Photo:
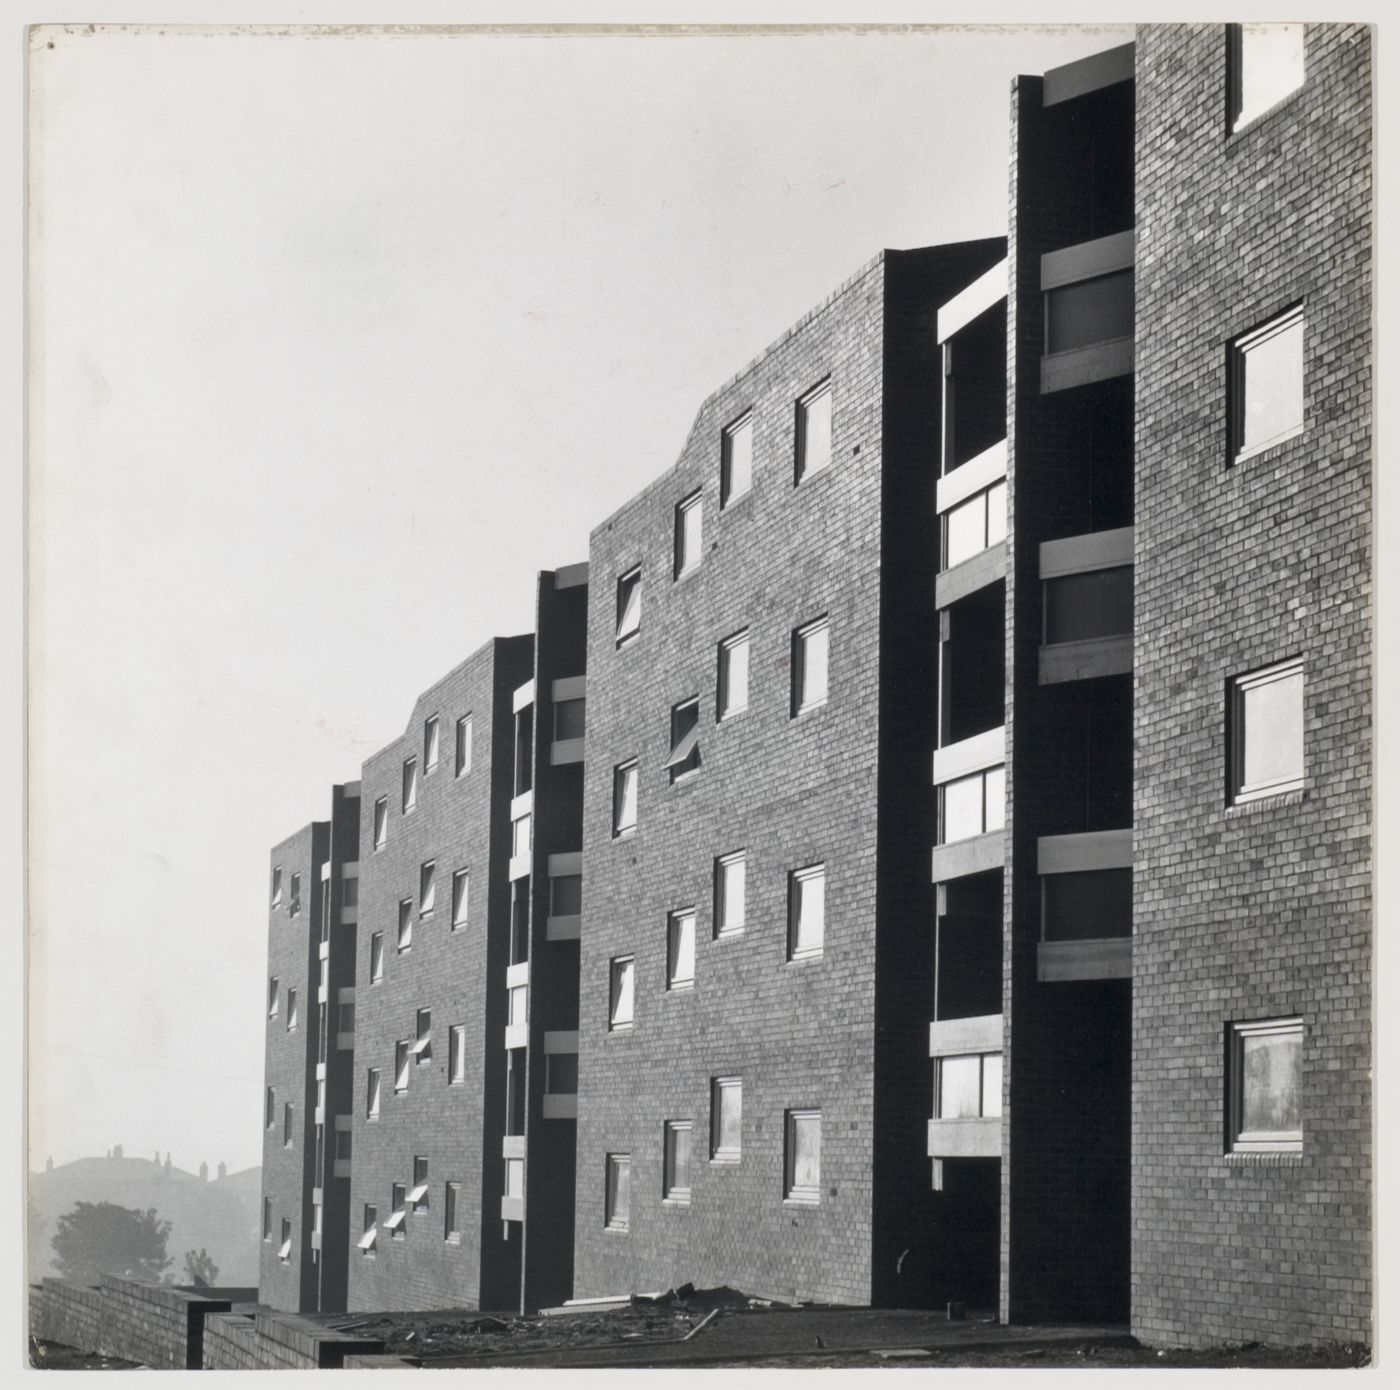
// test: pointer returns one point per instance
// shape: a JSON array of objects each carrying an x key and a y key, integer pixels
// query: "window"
[
  {"x": 410, "y": 784},
  {"x": 519, "y": 921},
  {"x": 569, "y": 718},
  {"x": 733, "y": 682},
  {"x": 451, "y": 1196},
  {"x": 524, "y": 749},
  {"x": 405, "y": 924},
  {"x": 1266, "y": 732},
  {"x": 293, "y": 1018},
  {"x": 726, "y": 1118},
  {"x": 418, "y": 1198},
  {"x": 810, "y": 646},
  {"x": 1266, "y": 64},
  {"x": 403, "y": 1053},
  {"x": 462, "y": 759},
  {"x": 430, "y": 743},
  {"x": 1266, "y": 385},
  {"x": 423, "y": 1036},
  {"x": 680, "y": 950},
  {"x": 689, "y": 538},
  {"x": 460, "y": 884},
  {"x": 381, "y": 822},
  {"x": 804, "y": 1156},
  {"x": 1089, "y": 905},
  {"x": 287, "y": 1127},
  {"x": 974, "y": 805},
  {"x": 625, "y": 797},
  {"x": 398, "y": 1202},
  {"x": 566, "y": 895},
  {"x": 427, "y": 889},
  {"x": 270, "y": 1109},
  {"x": 620, "y": 976},
  {"x": 974, "y": 526},
  {"x": 561, "y": 1073},
  {"x": 515, "y": 1177},
  {"x": 730, "y": 873},
  {"x": 520, "y": 829},
  {"x": 806, "y": 912},
  {"x": 294, "y": 906},
  {"x": 284, "y": 1251},
  {"x": 675, "y": 1185},
  {"x": 371, "y": 1230},
  {"x": 273, "y": 997},
  {"x": 1265, "y": 1078},
  {"x": 343, "y": 1150},
  {"x": 518, "y": 1006},
  {"x": 629, "y": 606},
  {"x": 685, "y": 739},
  {"x": 376, "y": 957},
  {"x": 814, "y": 430},
  {"x": 1083, "y": 607},
  {"x": 345, "y": 1017},
  {"x": 457, "y": 1054},
  {"x": 968, "y": 1087},
  {"x": 617, "y": 1201},
  {"x": 372, "y": 1093},
  {"x": 276, "y": 887},
  {"x": 736, "y": 460},
  {"x": 267, "y": 1218},
  {"x": 349, "y": 894}
]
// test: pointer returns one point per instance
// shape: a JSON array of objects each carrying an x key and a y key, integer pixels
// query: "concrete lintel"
[
  {"x": 1107, "y": 959},
  {"x": 1095, "y": 550},
  {"x": 1087, "y": 260},
  {"x": 522, "y": 805},
  {"x": 1091, "y": 74},
  {"x": 951, "y": 1037},
  {"x": 512, "y": 1209},
  {"x": 978, "y": 1138},
  {"x": 517, "y": 1035},
  {"x": 558, "y": 1107},
  {"x": 970, "y": 755},
  {"x": 561, "y": 865},
  {"x": 571, "y": 576},
  {"x": 564, "y": 751},
  {"x": 963, "y": 857},
  {"x": 987, "y": 289},
  {"x": 519, "y": 867},
  {"x": 970, "y": 478},
  {"x": 1077, "y": 854},
  {"x": 970, "y": 576},
  {"x": 518, "y": 974},
  {"x": 565, "y": 928},
  {"x": 1083, "y": 661},
  {"x": 512, "y": 1146},
  {"x": 523, "y": 696},
  {"x": 561, "y": 1040},
  {"x": 1082, "y": 366}
]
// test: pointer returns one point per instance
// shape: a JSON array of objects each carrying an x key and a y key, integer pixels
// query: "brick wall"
[
  {"x": 1264, "y": 910},
  {"x": 459, "y": 822}
]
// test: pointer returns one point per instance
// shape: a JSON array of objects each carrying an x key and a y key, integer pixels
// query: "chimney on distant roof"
[
  {"x": 223, "y": 1171},
  {"x": 204, "y": 1172}
]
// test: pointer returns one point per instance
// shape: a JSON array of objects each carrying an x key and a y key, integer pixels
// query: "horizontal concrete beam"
[
  {"x": 1075, "y": 854},
  {"x": 1095, "y": 550},
  {"x": 1091, "y": 74},
  {"x": 565, "y": 751},
  {"x": 986, "y": 290},
  {"x": 970, "y": 755},
  {"x": 972, "y": 477},
  {"x": 953, "y": 1037},
  {"x": 1087, "y": 260},
  {"x": 571, "y": 576},
  {"x": 964, "y": 1138},
  {"x": 1081, "y": 366},
  {"x": 970, "y": 576},
  {"x": 1088, "y": 660},
  {"x": 1107, "y": 959},
  {"x": 523, "y": 696},
  {"x": 963, "y": 857}
]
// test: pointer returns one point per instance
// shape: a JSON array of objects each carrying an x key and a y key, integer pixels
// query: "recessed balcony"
[
  {"x": 1088, "y": 610},
  {"x": 1089, "y": 311}
]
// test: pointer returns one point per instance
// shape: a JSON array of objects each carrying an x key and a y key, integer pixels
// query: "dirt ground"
[{"x": 53, "y": 1356}]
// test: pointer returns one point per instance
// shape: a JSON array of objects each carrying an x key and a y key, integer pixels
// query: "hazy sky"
[{"x": 336, "y": 339}]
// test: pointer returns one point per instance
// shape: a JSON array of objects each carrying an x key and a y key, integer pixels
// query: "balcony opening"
[
  {"x": 974, "y": 388},
  {"x": 1091, "y": 143},
  {"x": 1084, "y": 607},
  {"x": 519, "y": 921},
  {"x": 1095, "y": 905},
  {"x": 524, "y": 749},
  {"x": 967, "y": 959},
  {"x": 1089, "y": 311},
  {"x": 1093, "y": 727},
  {"x": 972, "y": 658},
  {"x": 515, "y": 1091}
]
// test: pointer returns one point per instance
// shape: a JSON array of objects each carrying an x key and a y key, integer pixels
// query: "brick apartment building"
[{"x": 961, "y": 888}]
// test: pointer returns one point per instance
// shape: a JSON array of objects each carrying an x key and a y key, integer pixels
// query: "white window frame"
[
  {"x": 1236, "y": 58},
  {"x": 720, "y": 1087},
  {"x": 427, "y": 888},
  {"x": 274, "y": 996},
  {"x": 373, "y": 1092},
  {"x": 672, "y": 1191},
  {"x": 432, "y": 743},
  {"x": 620, "y": 774},
  {"x": 684, "y": 758},
  {"x": 267, "y": 1218},
  {"x": 293, "y": 1013},
  {"x": 798, "y": 879},
  {"x": 619, "y": 966},
  {"x": 725, "y": 865},
  {"x": 728, "y": 493},
  {"x": 294, "y": 896},
  {"x": 806, "y": 465},
  {"x": 376, "y": 957},
  {"x": 989, "y": 1081},
  {"x": 1238, "y": 732},
  {"x": 808, "y": 1194},
  {"x": 270, "y": 1108},
  {"x": 1287, "y": 321},
  {"x": 685, "y": 562},
  {"x": 801, "y": 700},
  {"x": 462, "y": 746},
  {"x": 614, "y": 1220},
  {"x": 461, "y": 898},
  {"x": 676, "y": 924},
  {"x": 381, "y": 823},
  {"x": 1239, "y": 1139},
  {"x": 410, "y": 785},
  {"x": 284, "y": 1250},
  {"x": 277, "y": 886},
  {"x": 727, "y": 703},
  {"x": 993, "y": 803},
  {"x": 629, "y": 613},
  {"x": 423, "y": 1036},
  {"x": 457, "y": 1054},
  {"x": 451, "y": 1209},
  {"x": 405, "y": 933},
  {"x": 403, "y": 1064}
]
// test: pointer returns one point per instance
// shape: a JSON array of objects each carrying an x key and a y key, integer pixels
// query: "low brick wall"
[
  {"x": 155, "y": 1324},
  {"x": 298, "y": 1343},
  {"x": 71, "y": 1314}
]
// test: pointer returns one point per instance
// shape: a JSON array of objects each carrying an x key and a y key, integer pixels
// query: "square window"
[
  {"x": 270, "y": 1109},
  {"x": 736, "y": 460},
  {"x": 267, "y": 1218},
  {"x": 287, "y": 1127},
  {"x": 372, "y": 1093},
  {"x": 376, "y": 957},
  {"x": 423, "y": 1036},
  {"x": 967, "y": 1087},
  {"x": 284, "y": 1251},
  {"x": 733, "y": 677},
  {"x": 430, "y": 743},
  {"x": 569, "y": 718},
  {"x": 676, "y": 1179},
  {"x": 1266, "y": 385},
  {"x": 451, "y": 1199},
  {"x": 427, "y": 889},
  {"x": 462, "y": 759},
  {"x": 689, "y": 534},
  {"x": 1265, "y": 1082},
  {"x": 625, "y": 797},
  {"x": 457, "y": 1054},
  {"x": 293, "y": 1017},
  {"x": 629, "y": 606},
  {"x": 403, "y": 1056},
  {"x": 731, "y": 870},
  {"x": 460, "y": 884},
  {"x": 814, "y": 430},
  {"x": 418, "y": 1198},
  {"x": 566, "y": 895},
  {"x": 561, "y": 1073},
  {"x": 1266, "y": 732},
  {"x": 405, "y": 924},
  {"x": 273, "y": 997},
  {"x": 680, "y": 950},
  {"x": 620, "y": 988},
  {"x": 1266, "y": 63},
  {"x": 617, "y": 1201},
  {"x": 685, "y": 739},
  {"x": 370, "y": 1233},
  {"x": 294, "y": 907},
  {"x": 410, "y": 784},
  {"x": 726, "y": 1118},
  {"x": 810, "y": 648},
  {"x": 804, "y": 1156},
  {"x": 806, "y": 912}
]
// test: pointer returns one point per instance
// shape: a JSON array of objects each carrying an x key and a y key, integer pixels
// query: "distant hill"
[{"x": 220, "y": 1214}]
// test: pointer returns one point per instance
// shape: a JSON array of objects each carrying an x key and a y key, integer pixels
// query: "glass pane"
[
  {"x": 738, "y": 460},
  {"x": 677, "y": 1158},
  {"x": 806, "y": 1151},
  {"x": 731, "y": 1111},
  {"x": 1080, "y": 607},
  {"x": 994, "y": 798},
  {"x": 568, "y": 719},
  {"x": 809, "y": 912},
  {"x": 629, "y": 606},
  {"x": 732, "y": 874},
  {"x": 1273, "y": 1065},
  {"x": 967, "y": 530},
  {"x": 430, "y": 743},
  {"x": 691, "y": 539},
  {"x": 991, "y": 1084},
  {"x": 1271, "y": 66},
  {"x": 962, "y": 808},
  {"x": 464, "y": 745},
  {"x": 1272, "y": 368},
  {"x": 520, "y": 836},
  {"x": 996, "y": 514},
  {"x": 562, "y": 1078},
  {"x": 734, "y": 677},
  {"x": 1272, "y": 736},
  {"x": 519, "y": 1000},
  {"x": 566, "y": 895},
  {"x": 381, "y": 822},
  {"x": 622, "y": 992},
  {"x": 959, "y": 1088},
  {"x": 459, "y": 899},
  {"x": 815, "y": 645},
  {"x": 1090, "y": 906},
  {"x": 1090, "y": 311},
  {"x": 816, "y": 433},
  {"x": 427, "y": 889},
  {"x": 626, "y": 798},
  {"x": 515, "y": 1177},
  {"x": 683, "y": 948}
]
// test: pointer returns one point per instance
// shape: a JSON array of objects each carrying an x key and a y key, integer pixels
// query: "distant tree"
[
  {"x": 200, "y": 1269},
  {"x": 102, "y": 1238},
  {"x": 38, "y": 1229}
]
